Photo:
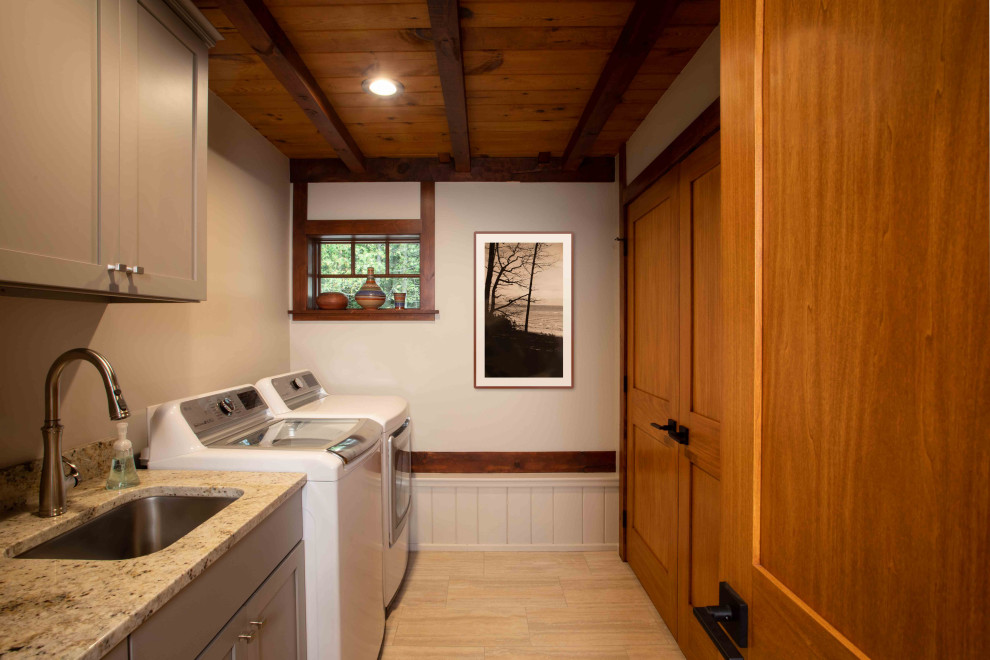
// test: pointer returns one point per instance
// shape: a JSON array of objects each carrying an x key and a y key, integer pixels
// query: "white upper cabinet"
[{"x": 103, "y": 152}]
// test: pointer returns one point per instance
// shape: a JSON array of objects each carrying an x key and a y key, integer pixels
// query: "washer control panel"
[
  {"x": 298, "y": 389},
  {"x": 210, "y": 414}
]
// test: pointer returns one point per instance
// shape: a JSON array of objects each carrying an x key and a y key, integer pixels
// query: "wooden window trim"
[{"x": 305, "y": 235}]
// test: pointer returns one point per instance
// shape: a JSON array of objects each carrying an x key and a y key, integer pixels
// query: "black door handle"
[
  {"x": 729, "y": 617},
  {"x": 681, "y": 436},
  {"x": 706, "y": 616},
  {"x": 671, "y": 425}
]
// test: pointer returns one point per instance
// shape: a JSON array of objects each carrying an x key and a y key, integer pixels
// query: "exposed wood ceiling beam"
[
  {"x": 445, "y": 28},
  {"x": 258, "y": 27},
  {"x": 643, "y": 27},
  {"x": 313, "y": 170}
]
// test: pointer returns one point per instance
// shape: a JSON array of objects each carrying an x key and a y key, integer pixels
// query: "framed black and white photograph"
[{"x": 523, "y": 320}]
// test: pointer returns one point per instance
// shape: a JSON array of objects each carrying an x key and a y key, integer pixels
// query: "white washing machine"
[
  {"x": 300, "y": 394},
  {"x": 342, "y": 500}
]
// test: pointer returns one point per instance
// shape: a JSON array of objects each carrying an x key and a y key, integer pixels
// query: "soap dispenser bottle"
[{"x": 123, "y": 473}]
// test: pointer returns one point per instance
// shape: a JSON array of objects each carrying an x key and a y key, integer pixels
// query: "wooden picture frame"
[{"x": 523, "y": 311}]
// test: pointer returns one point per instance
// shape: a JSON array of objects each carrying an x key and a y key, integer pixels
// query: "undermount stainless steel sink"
[{"x": 134, "y": 529}]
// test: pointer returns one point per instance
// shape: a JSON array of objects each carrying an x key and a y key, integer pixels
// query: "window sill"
[{"x": 364, "y": 314}]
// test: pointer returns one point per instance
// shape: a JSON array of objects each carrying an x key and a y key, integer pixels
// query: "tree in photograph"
[
  {"x": 512, "y": 266},
  {"x": 508, "y": 270},
  {"x": 492, "y": 248},
  {"x": 529, "y": 294}
]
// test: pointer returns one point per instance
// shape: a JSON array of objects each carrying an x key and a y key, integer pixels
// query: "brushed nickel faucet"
[{"x": 51, "y": 500}]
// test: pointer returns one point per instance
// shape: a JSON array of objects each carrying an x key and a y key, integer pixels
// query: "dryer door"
[{"x": 399, "y": 479}]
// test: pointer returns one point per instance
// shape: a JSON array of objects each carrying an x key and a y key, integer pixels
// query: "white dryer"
[
  {"x": 342, "y": 500},
  {"x": 300, "y": 395}
]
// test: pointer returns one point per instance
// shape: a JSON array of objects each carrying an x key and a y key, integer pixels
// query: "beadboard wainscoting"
[{"x": 515, "y": 512}]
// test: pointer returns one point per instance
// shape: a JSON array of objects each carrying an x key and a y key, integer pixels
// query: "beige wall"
[
  {"x": 430, "y": 363},
  {"x": 165, "y": 350},
  {"x": 692, "y": 91}
]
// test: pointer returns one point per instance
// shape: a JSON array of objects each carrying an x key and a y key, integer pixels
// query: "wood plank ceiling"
[{"x": 529, "y": 70}]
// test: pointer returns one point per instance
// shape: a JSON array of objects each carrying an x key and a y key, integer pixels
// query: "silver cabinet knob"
[
  {"x": 249, "y": 637},
  {"x": 257, "y": 624},
  {"x": 124, "y": 268}
]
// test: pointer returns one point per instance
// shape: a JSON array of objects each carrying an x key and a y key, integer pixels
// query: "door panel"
[
  {"x": 700, "y": 351},
  {"x": 706, "y": 294},
  {"x": 652, "y": 534},
  {"x": 654, "y": 331},
  {"x": 701, "y": 501},
  {"x": 858, "y": 483},
  {"x": 652, "y": 461},
  {"x": 654, "y": 480}
]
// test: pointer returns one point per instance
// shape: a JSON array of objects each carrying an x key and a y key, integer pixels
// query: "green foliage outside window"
[
  {"x": 404, "y": 258},
  {"x": 336, "y": 272},
  {"x": 335, "y": 258}
]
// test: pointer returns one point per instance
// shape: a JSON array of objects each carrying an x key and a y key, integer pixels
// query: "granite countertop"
[{"x": 61, "y": 608}]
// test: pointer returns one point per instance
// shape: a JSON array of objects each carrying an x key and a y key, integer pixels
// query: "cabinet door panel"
[
  {"x": 166, "y": 140},
  {"x": 163, "y": 157},
  {"x": 50, "y": 146},
  {"x": 279, "y": 631}
]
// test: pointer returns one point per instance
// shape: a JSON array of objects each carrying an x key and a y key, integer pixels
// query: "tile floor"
[{"x": 531, "y": 605}]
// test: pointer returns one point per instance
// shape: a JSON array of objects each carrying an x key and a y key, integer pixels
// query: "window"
[
  {"x": 344, "y": 263},
  {"x": 334, "y": 255}
]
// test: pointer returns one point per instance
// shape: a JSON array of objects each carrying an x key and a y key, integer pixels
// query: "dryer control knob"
[
  {"x": 298, "y": 382},
  {"x": 226, "y": 406}
]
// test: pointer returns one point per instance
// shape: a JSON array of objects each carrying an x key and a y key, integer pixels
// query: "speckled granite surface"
[
  {"x": 19, "y": 483},
  {"x": 58, "y": 608}
]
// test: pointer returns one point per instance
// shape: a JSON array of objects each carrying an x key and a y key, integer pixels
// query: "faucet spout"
[{"x": 51, "y": 501}]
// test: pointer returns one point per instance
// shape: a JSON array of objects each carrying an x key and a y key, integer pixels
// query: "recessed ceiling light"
[{"x": 382, "y": 87}]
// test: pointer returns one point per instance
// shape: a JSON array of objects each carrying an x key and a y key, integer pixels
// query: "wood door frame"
[{"x": 697, "y": 133}]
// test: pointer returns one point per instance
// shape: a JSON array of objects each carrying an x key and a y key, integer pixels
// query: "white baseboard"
[{"x": 508, "y": 512}]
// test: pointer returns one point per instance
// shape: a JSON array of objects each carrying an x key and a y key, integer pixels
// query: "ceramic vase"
[
  {"x": 370, "y": 295},
  {"x": 331, "y": 300}
]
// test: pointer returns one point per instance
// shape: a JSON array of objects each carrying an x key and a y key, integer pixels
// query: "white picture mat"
[{"x": 480, "y": 263}]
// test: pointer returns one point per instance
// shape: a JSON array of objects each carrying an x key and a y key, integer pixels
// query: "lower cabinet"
[
  {"x": 250, "y": 604},
  {"x": 271, "y": 625}
]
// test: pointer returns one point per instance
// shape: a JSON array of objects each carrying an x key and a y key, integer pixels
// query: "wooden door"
[
  {"x": 58, "y": 147},
  {"x": 856, "y": 412},
  {"x": 652, "y": 368},
  {"x": 163, "y": 155},
  {"x": 700, "y": 410}
]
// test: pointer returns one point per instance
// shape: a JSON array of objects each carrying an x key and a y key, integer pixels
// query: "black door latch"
[
  {"x": 680, "y": 436},
  {"x": 731, "y": 616}
]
